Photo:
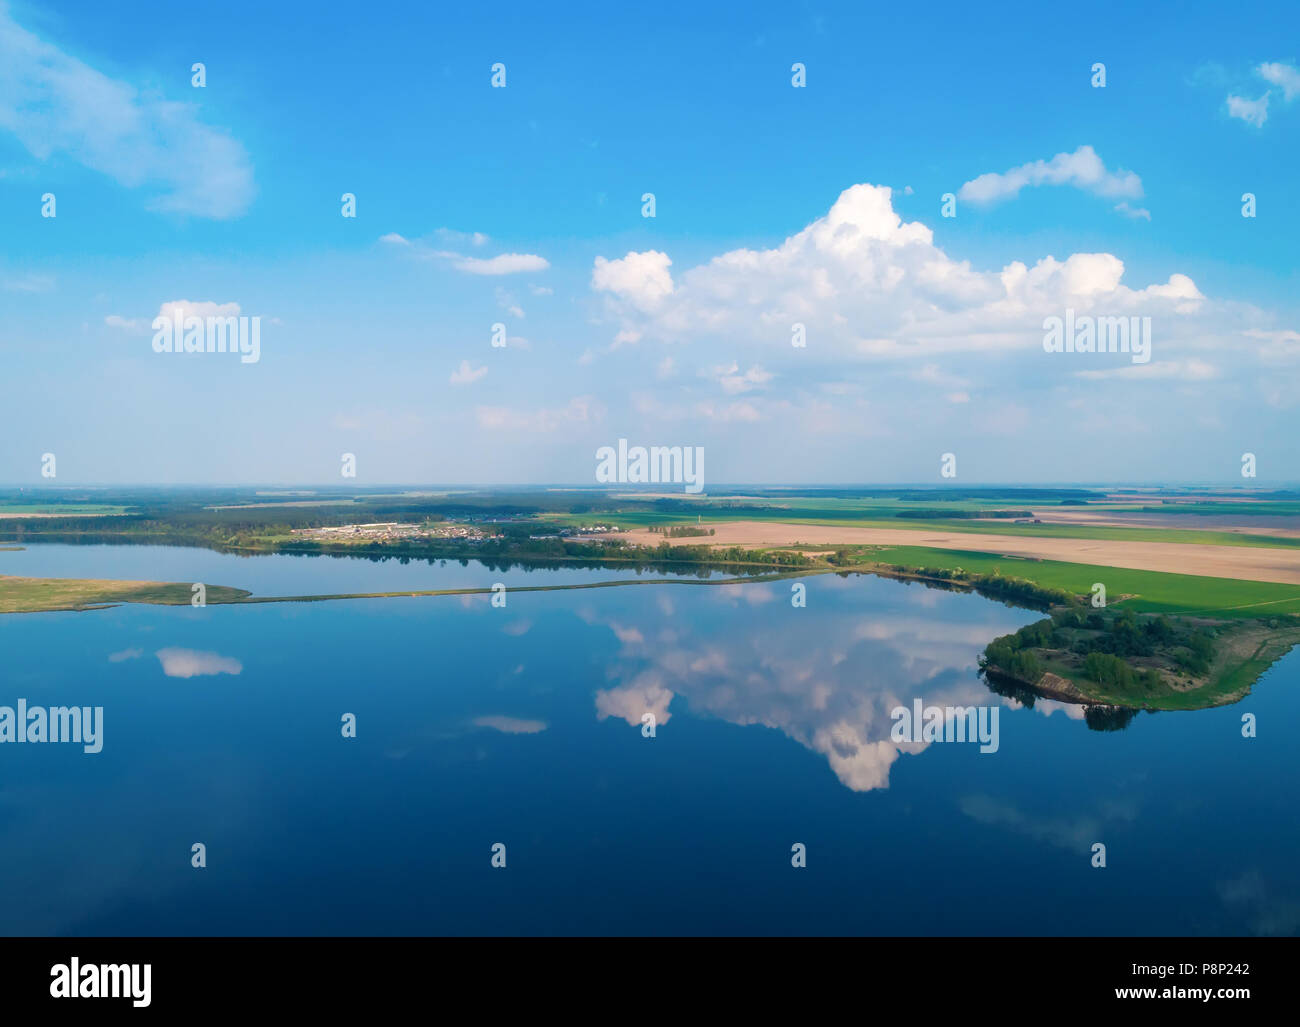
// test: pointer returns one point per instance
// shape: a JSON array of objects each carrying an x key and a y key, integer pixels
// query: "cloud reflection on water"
[{"x": 826, "y": 676}]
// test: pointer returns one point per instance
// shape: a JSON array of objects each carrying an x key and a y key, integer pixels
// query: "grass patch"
[
  {"x": 1147, "y": 591},
  {"x": 36, "y": 595}
]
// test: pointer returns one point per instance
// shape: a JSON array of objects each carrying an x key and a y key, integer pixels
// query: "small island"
[{"x": 1116, "y": 657}]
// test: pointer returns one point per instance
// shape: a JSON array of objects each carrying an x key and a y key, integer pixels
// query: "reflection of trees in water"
[
  {"x": 1108, "y": 718},
  {"x": 677, "y": 568},
  {"x": 934, "y": 583},
  {"x": 1010, "y": 688},
  {"x": 1098, "y": 718},
  {"x": 541, "y": 563},
  {"x": 501, "y": 564},
  {"x": 1012, "y": 593}
]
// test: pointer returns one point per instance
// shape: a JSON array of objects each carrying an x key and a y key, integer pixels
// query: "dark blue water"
[{"x": 523, "y": 726}]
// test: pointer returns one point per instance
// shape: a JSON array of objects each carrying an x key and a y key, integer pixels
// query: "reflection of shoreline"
[
  {"x": 754, "y": 579},
  {"x": 1099, "y": 716},
  {"x": 1049, "y": 686}
]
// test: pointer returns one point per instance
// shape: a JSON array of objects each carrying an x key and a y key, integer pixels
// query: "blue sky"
[{"x": 522, "y": 206}]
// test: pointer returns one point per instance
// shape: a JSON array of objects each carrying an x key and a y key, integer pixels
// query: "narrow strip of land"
[
  {"x": 51, "y": 595},
  {"x": 38, "y": 595}
]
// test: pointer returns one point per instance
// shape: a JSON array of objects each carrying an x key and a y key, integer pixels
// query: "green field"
[
  {"x": 1152, "y": 591},
  {"x": 1268, "y": 508},
  {"x": 36, "y": 595}
]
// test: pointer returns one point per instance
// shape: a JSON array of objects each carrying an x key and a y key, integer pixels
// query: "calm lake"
[{"x": 523, "y": 726}]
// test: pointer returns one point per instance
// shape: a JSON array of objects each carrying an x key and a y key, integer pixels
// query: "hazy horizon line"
[{"x": 657, "y": 489}]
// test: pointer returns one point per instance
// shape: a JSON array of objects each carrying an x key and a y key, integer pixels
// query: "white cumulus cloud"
[
  {"x": 870, "y": 287},
  {"x": 640, "y": 278}
]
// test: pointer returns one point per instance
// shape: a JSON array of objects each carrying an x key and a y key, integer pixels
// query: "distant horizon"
[{"x": 1263, "y": 486}]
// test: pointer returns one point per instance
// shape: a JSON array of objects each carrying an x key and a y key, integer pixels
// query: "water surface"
[{"x": 522, "y": 725}]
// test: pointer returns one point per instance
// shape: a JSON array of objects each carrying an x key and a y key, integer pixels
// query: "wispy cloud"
[
  {"x": 171, "y": 310},
  {"x": 1252, "y": 112},
  {"x": 506, "y": 301},
  {"x": 511, "y": 725},
  {"x": 733, "y": 382},
  {"x": 55, "y": 104},
  {"x": 1285, "y": 77},
  {"x": 28, "y": 283},
  {"x": 1082, "y": 169},
  {"x": 1282, "y": 75},
  {"x": 579, "y": 410},
  {"x": 1133, "y": 212},
  {"x": 1074, "y": 833},
  {"x": 501, "y": 264},
  {"x": 467, "y": 374},
  {"x": 1190, "y": 370}
]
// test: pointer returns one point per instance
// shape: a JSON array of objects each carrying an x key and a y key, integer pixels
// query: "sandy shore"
[{"x": 1246, "y": 563}]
